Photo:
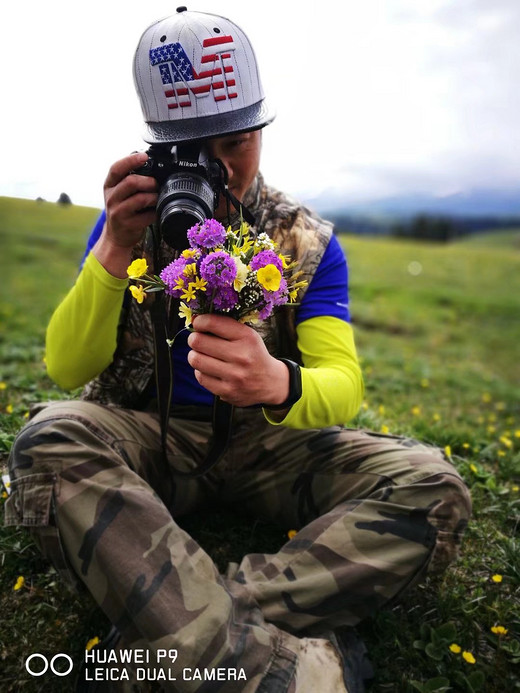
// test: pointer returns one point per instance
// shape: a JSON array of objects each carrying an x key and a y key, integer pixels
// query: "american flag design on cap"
[{"x": 181, "y": 80}]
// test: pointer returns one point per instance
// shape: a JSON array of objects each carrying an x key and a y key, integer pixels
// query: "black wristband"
[{"x": 295, "y": 386}]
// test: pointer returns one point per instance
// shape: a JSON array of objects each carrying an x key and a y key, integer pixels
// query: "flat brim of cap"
[{"x": 244, "y": 119}]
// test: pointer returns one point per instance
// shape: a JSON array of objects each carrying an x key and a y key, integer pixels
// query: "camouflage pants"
[{"x": 373, "y": 512}]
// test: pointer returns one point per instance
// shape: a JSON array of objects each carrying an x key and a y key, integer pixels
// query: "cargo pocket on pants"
[{"x": 31, "y": 505}]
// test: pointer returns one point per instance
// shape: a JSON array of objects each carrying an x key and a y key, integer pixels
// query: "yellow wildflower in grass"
[
  {"x": 447, "y": 450},
  {"x": 385, "y": 429},
  {"x": 381, "y": 409},
  {"x": 499, "y": 630},
  {"x": 517, "y": 433},
  {"x": 91, "y": 643},
  {"x": 364, "y": 406},
  {"x": 185, "y": 312},
  {"x": 292, "y": 533},
  {"x": 269, "y": 277},
  {"x": 436, "y": 417},
  {"x": 137, "y": 268},
  {"x": 486, "y": 397},
  {"x": 468, "y": 657},
  {"x": 3, "y": 385},
  {"x": 9, "y": 409},
  {"x": 20, "y": 582},
  {"x": 425, "y": 382},
  {"x": 506, "y": 441},
  {"x": 416, "y": 410},
  {"x": 465, "y": 445},
  {"x": 4, "y": 495},
  {"x": 515, "y": 489},
  {"x": 491, "y": 429},
  {"x": 138, "y": 293},
  {"x": 199, "y": 284},
  {"x": 497, "y": 578},
  {"x": 456, "y": 649},
  {"x": 474, "y": 468},
  {"x": 501, "y": 453}
]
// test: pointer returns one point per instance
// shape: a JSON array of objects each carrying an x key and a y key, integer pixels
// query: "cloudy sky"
[{"x": 373, "y": 98}]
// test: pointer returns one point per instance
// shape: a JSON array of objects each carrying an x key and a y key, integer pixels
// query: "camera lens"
[{"x": 184, "y": 200}]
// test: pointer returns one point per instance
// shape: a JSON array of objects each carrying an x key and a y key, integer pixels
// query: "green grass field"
[{"x": 438, "y": 329}]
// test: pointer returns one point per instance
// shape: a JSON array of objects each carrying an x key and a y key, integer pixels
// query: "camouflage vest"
[{"x": 297, "y": 231}]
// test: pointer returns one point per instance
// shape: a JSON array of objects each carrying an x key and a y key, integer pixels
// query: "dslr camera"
[{"x": 189, "y": 187}]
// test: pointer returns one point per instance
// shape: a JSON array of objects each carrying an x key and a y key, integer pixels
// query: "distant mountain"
[{"x": 471, "y": 203}]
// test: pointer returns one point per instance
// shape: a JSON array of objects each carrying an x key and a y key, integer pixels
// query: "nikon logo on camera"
[{"x": 189, "y": 164}]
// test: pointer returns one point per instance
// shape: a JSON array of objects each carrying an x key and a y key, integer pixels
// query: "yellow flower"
[
  {"x": 425, "y": 382},
  {"x": 473, "y": 468},
  {"x": 480, "y": 420},
  {"x": 436, "y": 417},
  {"x": 179, "y": 283},
  {"x": 385, "y": 429},
  {"x": 470, "y": 659},
  {"x": 364, "y": 406},
  {"x": 186, "y": 313},
  {"x": 137, "y": 268},
  {"x": 190, "y": 270},
  {"x": 292, "y": 533},
  {"x": 501, "y": 453},
  {"x": 491, "y": 429},
  {"x": 9, "y": 409},
  {"x": 515, "y": 489},
  {"x": 269, "y": 277},
  {"x": 250, "y": 317},
  {"x": 293, "y": 295},
  {"x": 138, "y": 293},
  {"x": 189, "y": 253},
  {"x": 497, "y": 578},
  {"x": 416, "y": 410},
  {"x": 447, "y": 450},
  {"x": 465, "y": 445},
  {"x": 517, "y": 433},
  {"x": 20, "y": 582},
  {"x": 381, "y": 409},
  {"x": 4, "y": 494},
  {"x": 3, "y": 385},
  {"x": 91, "y": 643},
  {"x": 240, "y": 279},
  {"x": 285, "y": 260},
  {"x": 500, "y": 406},
  {"x": 189, "y": 293},
  {"x": 455, "y": 648},
  {"x": 499, "y": 630},
  {"x": 486, "y": 397},
  {"x": 198, "y": 285},
  {"x": 506, "y": 441}
]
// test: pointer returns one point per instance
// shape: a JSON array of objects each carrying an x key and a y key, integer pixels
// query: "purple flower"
[
  {"x": 266, "y": 311},
  {"x": 266, "y": 257},
  {"x": 207, "y": 235},
  {"x": 225, "y": 299},
  {"x": 278, "y": 298},
  {"x": 171, "y": 274},
  {"x": 218, "y": 269}
]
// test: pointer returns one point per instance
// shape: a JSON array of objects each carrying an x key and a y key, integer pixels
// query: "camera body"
[{"x": 189, "y": 187}]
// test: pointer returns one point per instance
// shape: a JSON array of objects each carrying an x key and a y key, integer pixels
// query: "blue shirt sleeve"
[
  {"x": 94, "y": 235},
  {"x": 327, "y": 294}
]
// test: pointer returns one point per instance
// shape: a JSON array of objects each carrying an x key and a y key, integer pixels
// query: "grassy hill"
[{"x": 437, "y": 330}]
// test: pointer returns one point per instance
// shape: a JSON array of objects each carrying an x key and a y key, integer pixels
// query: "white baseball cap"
[{"x": 196, "y": 77}]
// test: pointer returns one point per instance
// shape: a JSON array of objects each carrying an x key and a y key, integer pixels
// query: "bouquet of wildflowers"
[{"x": 223, "y": 271}]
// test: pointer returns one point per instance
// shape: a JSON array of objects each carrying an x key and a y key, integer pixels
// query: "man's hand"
[
  {"x": 231, "y": 361},
  {"x": 130, "y": 201}
]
